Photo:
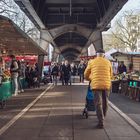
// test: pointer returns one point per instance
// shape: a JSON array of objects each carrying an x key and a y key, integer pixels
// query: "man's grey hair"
[{"x": 101, "y": 54}]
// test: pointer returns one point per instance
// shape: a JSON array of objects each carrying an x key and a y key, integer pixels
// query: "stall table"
[{"x": 115, "y": 86}]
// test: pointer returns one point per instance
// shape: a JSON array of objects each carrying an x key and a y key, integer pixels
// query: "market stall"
[
  {"x": 13, "y": 41},
  {"x": 128, "y": 83}
]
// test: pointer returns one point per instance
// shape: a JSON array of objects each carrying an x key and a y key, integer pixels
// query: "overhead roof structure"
[
  {"x": 73, "y": 22},
  {"x": 14, "y": 40}
]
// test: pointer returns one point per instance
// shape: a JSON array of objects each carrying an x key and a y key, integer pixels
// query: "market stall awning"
[
  {"x": 13, "y": 39},
  {"x": 117, "y": 53}
]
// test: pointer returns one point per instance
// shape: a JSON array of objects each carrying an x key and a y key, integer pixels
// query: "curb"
[{"x": 125, "y": 117}]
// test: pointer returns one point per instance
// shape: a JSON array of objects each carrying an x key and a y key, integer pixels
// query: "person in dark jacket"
[
  {"x": 14, "y": 73},
  {"x": 54, "y": 73},
  {"x": 81, "y": 69},
  {"x": 122, "y": 68},
  {"x": 34, "y": 77},
  {"x": 20, "y": 76},
  {"x": 62, "y": 72},
  {"x": 73, "y": 72},
  {"x": 67, "y": 71}
]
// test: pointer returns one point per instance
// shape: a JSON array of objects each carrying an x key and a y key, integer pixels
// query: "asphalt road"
[{"x": 126, "y": 105}]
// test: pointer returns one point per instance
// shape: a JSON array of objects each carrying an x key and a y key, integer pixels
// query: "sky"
[{"x": 133, "y": 5}]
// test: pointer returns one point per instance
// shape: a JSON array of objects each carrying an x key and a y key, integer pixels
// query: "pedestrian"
[
  {"x": 55, "y": 71},
  {"x": 62, "y": 67},
  {"x": 73, "y": 72},
  {"x": 81, "y": 69},
  {"x": 122, "y": 68},
  {"x": 28, "y": 78},
  {"x": 67, "y": 72},
  {"x": 34, "y": 77},
  {"x": 20, "y": 76},
  {"x": 99, "y": 73},
  {"x": 14, "y": 73}
]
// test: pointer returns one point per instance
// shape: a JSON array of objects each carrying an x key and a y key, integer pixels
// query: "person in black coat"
[
  {"x": 62, "y": 72},
  {"x": 34, "y": 77},
  {"x": 28, "y": 78},
  {"x": 73, "y": 72},
  {"x": 122, "y": 68},
  {"x": 81, "y": 69},
  {"x": 54, "y": 73},
  {"x": 67, "y": 72}
]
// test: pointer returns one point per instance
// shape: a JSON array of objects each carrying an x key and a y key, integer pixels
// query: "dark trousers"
[
  {"x": 81, "y": 77},
  {"x": 62, "y": 79}
]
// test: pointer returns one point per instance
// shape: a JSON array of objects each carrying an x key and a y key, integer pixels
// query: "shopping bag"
[
  {"x": 90, "y": 100},
  {"x": 90, "y": 95}
]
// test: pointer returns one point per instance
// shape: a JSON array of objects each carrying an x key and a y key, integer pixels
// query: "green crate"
[
  {"x": 134, "y": 83},
  {"x": 130, "y": 83}
]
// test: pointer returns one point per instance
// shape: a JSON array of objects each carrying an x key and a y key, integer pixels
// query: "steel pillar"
[
  {"x": 40, "y": 65},
  {"x": 97, "y": 41}
]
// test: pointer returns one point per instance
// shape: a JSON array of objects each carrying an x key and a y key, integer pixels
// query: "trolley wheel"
[
  {"x": 85, "y": 113},
  {"x": 3, "y": 104}
]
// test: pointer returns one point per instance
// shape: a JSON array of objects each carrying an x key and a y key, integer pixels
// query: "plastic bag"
[{"x": 90, "y": 95}]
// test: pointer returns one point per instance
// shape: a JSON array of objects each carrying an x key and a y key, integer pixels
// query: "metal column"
[
  {"x": 98, "y": 42},
  {"x": 40, "y": 65}
]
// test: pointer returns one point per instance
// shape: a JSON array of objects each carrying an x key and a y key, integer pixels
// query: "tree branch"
[{"x": 121, "y": 39}]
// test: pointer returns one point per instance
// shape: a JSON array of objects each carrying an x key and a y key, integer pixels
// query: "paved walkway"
[
  {"x": 127, "y": 105},
  {"x": 57, "y": 116}
]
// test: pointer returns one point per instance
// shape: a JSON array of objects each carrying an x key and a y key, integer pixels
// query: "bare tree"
[
  {"x": 6, "y": 7},
  {"x": 109, "y": 42},
  {"x": 127, "y": 31}
]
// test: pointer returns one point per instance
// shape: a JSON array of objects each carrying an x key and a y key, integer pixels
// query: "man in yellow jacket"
[{"x": 99, "y": 73}]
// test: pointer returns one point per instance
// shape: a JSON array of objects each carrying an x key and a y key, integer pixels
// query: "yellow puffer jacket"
[{"x": 99, "y": 72}]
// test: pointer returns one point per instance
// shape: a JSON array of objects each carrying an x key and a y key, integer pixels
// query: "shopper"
[
  {"x": 67, "y": 72},
  {"x": 62, "y": 67},
  {"x": 122, "y": 68},
  {"x": 81, "y": 69},
  {"x": 14, "y": 73},
  {"x": 28, "y": 78},
  {"x": 20, "y": 76},
  {"x": 73, "y": 72},
  {"x": 99, "y": 72},
  {"x": 34, "y": 77},
  {"x": 55, "y": 71}
]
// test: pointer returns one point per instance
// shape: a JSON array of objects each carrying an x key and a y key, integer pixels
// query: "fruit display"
[
  {"x": 6, "y": 75},
  {"x": 120, "y": 76},
  {"x": 123, "y": 76}
]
